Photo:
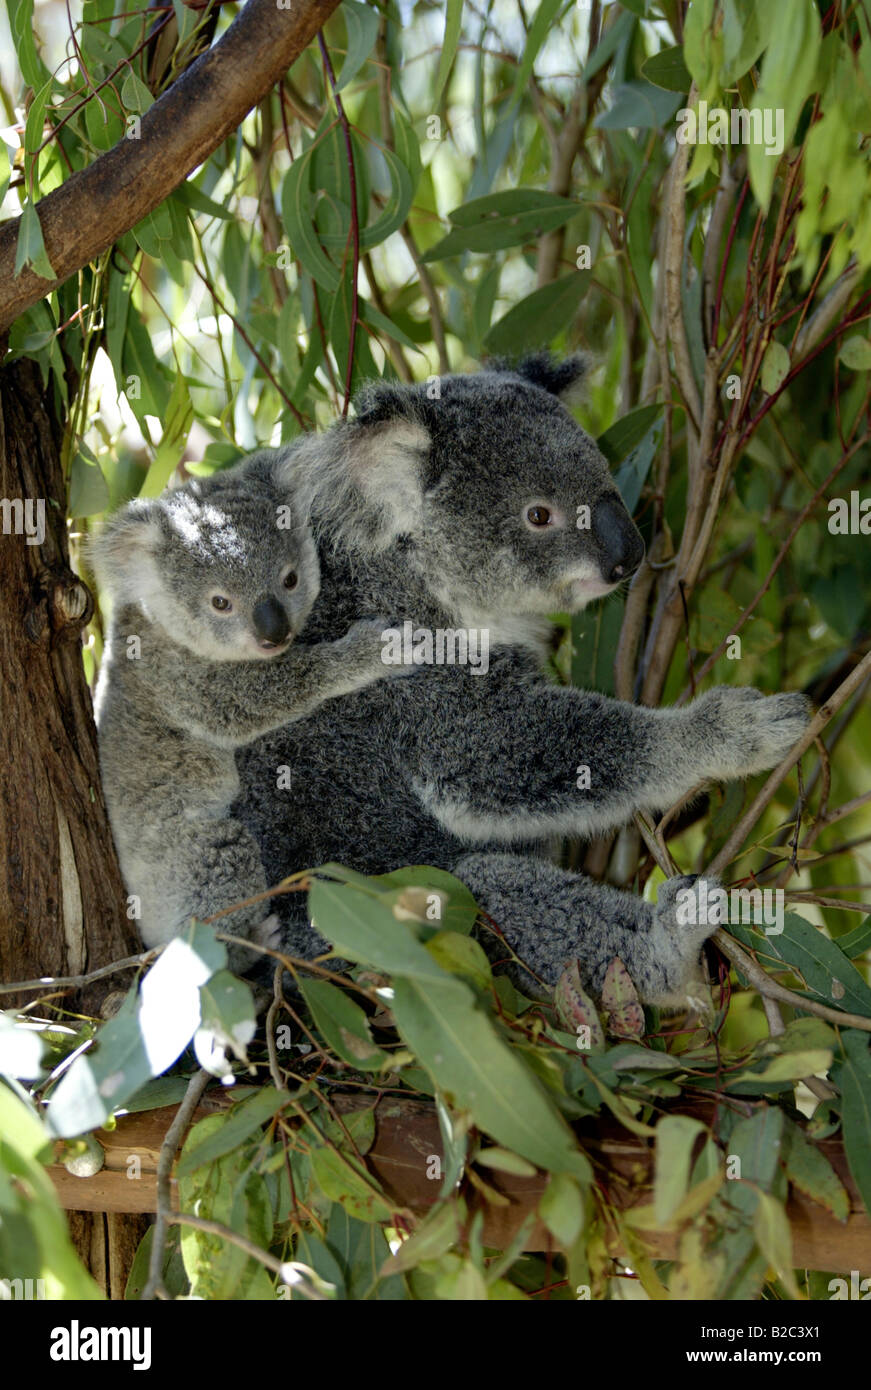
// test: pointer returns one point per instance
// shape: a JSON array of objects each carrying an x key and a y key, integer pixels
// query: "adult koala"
[{"x": 466, "y": 511}]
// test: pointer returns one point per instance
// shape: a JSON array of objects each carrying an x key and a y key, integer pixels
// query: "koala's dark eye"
[
  {"x": 291, "y": 580},
  {"x": 538, "y": 516},
  {"x": 222, "y": 604}
]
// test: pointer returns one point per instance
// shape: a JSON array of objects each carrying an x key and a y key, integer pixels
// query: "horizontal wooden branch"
[
  {"x": 97, "y": 205},
  {"x": 407, "y": 1135}
]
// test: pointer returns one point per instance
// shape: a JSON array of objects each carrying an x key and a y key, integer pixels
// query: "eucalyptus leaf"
[
  {"x": 675, "y": 1139},
  {"x": 667, "y": 69},
  {"x": 503, "y": 219},
  {"x": 457, "y": 1044},
  {"x": 362, "y": 25},
  {"x": 540, "y": 317},
  {"x": 852, "y": 1076}
]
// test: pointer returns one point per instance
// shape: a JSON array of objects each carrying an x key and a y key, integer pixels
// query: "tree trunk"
[{"x": 62, "y": 900}]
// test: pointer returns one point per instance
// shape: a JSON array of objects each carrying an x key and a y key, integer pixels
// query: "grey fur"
[
  {"x": 419, "y": 506},
  {"x": 204, "y": 682}
]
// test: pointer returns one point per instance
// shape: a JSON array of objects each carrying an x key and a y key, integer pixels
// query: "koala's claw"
[
  {"x": 680, "y": 927},
  {"x": 750, "y": 732}
]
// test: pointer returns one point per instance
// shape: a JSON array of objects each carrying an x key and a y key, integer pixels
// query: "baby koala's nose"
[{"x": 270, "y": 621}]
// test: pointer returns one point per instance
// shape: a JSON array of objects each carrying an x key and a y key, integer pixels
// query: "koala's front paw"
[
  {"x": 743, "y": 731},
  {"x": 682, "y": 908}
]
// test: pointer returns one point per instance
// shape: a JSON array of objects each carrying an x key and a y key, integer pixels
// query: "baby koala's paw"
[
  {"x": 385, "y": 638},
  {"x": 747, "y": 731},
  {"x": 268, "y": 932},
  {"x": 368, "y": 631}
]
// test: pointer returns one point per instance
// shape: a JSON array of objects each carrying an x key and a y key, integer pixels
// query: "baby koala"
[{"x": 210, "y": 584}]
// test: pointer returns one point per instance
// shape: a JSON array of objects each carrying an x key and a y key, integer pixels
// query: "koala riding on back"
[{"x": 210, "y": 585}]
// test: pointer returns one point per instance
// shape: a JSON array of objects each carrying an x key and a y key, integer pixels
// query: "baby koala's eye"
[
  {"x": 291, "y": 580},
  {"x": 538, "y": 515},
  {"x": 222, "y": 604}
]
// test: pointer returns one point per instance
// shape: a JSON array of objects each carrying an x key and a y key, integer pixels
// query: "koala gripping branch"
[{"x": 95, "y": 206}]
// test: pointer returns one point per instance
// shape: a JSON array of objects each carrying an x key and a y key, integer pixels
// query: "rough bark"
[{"x": 62, "y": 901}]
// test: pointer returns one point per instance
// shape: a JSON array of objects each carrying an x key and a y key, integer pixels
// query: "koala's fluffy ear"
[
  {"x": 266, "y": 468},
  {"x": 123, "y": 554},
  {"x": 368, "y": 474},
  {"x": 563, "y": 378}
]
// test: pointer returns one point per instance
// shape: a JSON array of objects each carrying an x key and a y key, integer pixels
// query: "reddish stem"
[
  {"x": 355, "y": 224},
  {"x": 726, "y": 254}
]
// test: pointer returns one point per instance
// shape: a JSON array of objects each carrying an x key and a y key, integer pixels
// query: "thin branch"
[
  {"x": 91, "y": 210},
  {"x": 778, "y": 561},
  {"x": 300, "y": 419},
  {"x": 425, "y": 280},
  {"x": 724, "y": 204},
  {"x": 280, "y": 1267},
  {"x": 355, "y": 222},
  {"x": 770, "y": 989},
  {"x": 75, "y": 981},
  {"x": 675, "y": 213},
  {"x": 168, "y": 1150},
  {"x": 277, "y": 1002}
]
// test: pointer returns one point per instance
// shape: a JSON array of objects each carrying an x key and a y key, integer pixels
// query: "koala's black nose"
[
  {"x": 621, "y": 548},
  {"x": 270, "y": 621}
]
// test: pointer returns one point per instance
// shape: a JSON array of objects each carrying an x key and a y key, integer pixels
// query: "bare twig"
[
  {"x": 770, "y": 989},
  {"x": 75, "y": 981},
  {"x": 565, "y": 147},
  {"x": 168, "y": 1150},
  {"x": 355, "y": 222},
  {"x": 300, "y": 419},
  {"x": 724, "y": 206},
  {"x": 675, "y": 213},
  {"x": 280, "y": 1267},
  {"x": 277, "y": 1001}
]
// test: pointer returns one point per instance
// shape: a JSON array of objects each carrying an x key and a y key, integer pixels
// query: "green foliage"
[
  {"x": 286, "y": 1171},
  {"x": 34, "y": 1240}
]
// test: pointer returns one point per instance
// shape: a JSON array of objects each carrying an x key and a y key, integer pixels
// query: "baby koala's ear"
[
  {"x": 123, "y": 555},
  {"x": 263, "y": 470}
]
